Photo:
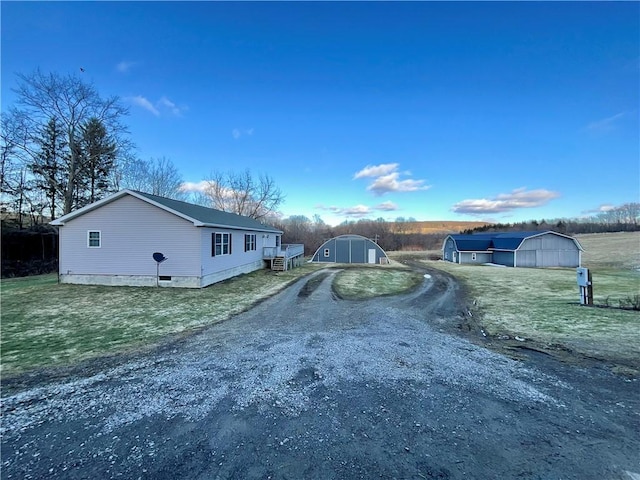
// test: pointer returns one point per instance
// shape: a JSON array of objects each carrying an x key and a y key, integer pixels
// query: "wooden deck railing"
[{"x": 290, "y": 250}]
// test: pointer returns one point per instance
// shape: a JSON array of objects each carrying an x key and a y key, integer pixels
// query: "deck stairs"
[{"x": 279, "y": 264}]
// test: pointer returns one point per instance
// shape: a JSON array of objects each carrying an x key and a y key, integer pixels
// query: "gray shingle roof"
[
  {"x": 199, "y": 215},
  {"x": 210, "y": 217}
]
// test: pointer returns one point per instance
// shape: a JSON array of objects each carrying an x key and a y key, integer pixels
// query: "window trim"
[
  {"x": 250, "y": 242},
  {"x": 222, "y": 243},
  {"x": 89, "y": 239},
  {"x": 327, "y": 252}
]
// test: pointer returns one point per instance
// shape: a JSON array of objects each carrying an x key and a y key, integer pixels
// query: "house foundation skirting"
[
  {"x": 231, "y": 272},
  {"x": 162, "y": 281},
  {"x": 130, "y": 280}
]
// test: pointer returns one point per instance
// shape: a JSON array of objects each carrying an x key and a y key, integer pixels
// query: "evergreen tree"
[
  {"x": 48, "y": 165},
  {"x": 97, "y": 152}
]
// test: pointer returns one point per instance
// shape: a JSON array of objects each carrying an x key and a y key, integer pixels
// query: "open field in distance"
[
  {"x": 611, "y": 250},
  {"x": 434, "y": 226}
]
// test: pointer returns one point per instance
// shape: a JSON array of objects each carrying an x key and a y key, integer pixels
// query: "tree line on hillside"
[
  {"x": 623, "y": 218},
  {"x": 314, "y": 232}
]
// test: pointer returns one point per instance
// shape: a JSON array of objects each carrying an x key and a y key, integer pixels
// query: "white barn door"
[{"x": 372, "y": 255}]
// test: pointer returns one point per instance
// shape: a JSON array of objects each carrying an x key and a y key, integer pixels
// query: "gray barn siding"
[
  {"x": 503, "y": 258},
  {"x": 525, "y": 258},
  {"x": 449, "y": 248},
  {"x": 548, "y": 251},
  {"x": 131, "y": 231},
  {"x": 348, "y": 249},
  {"x": 481, "y": 257}
]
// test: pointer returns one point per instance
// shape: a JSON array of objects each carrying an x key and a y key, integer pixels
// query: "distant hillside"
[{"x": 435, "y": 226}]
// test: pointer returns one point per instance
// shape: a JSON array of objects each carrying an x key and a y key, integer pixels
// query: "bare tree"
[
  {"x": 243, "y": 194},
  {"x": 73, "y": 103},
  {"x": 157, "y": 176},
  {"x": 15, "y": 143}
]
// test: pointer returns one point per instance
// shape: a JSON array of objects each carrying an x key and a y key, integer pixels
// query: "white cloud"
[
  {"x": 505, "y": 202},
  {"x": 172, "y": 107},
  {"x": 386, "y": 207},
  {"x": 160, "y": 107},
  {"x": 358, "y": 211},
  {"x": 124, "y": 66},
  {"x": 237, "y": 132},
  {"x": 606, "y": 124},
  {"x": 387, "y": 179},
  {"x": 390, "y": 183},
  {"x": 376, "y": 170},
  {"x": 605, "y": 207},
  {"x": 143, "y": 102},
  {"x": 201, "y": 186}
]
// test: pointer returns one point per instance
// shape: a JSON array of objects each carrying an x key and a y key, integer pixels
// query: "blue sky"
[{"x": 438, "y": 111}]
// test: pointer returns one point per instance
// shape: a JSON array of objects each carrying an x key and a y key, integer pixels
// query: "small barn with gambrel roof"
[{"x": 514, "y": 249}]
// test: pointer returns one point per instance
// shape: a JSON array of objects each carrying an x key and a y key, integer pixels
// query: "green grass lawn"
[
  {"x": 543, "y": 305},
  {"x": 363, "y": 283},
  {"x": 49, "y": 324}
]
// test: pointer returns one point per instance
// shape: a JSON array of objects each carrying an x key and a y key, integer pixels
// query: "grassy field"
[
  {"x": 620, "y": 251},
  {"x": 47, "y": 324},
  {"x": 363, "y": 283},
  {"x": 434, "y": 226},
  {"x": 543, "y": 304}
]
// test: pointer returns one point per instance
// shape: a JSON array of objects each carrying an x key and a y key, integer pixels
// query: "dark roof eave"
[{"x": 235, "y": 227}]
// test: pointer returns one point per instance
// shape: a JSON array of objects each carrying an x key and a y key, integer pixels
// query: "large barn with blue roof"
[{"x": 514, "y": 249}]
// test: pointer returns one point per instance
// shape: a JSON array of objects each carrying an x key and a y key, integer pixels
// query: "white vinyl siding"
[
  {"x": 93, "y": 239},
  {"x": 134, "y": 230},
  {"x": 217, "y": 268}
]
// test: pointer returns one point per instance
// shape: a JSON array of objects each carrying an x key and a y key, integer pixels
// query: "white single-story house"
[
  {"x": 117, "y": 240},
  {"x": 350, "y": 249},
  {"x": 514, "y": 249}
]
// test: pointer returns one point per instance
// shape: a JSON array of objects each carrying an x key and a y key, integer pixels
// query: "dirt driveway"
[{"x": 308, "y": 386}]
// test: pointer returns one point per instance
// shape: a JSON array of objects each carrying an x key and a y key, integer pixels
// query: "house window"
[
  {"x": 93, "y": 239},
  {"x": 249, "y": 242},
  {"x": 473, "y": 256},
  {"x": 326, "y": 253},
  {"x": 221, "y": 244},
  {"x": 277, "y": 240}
]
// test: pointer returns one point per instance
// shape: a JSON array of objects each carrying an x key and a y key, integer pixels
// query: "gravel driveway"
[{"x": 306, "y": 385}]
